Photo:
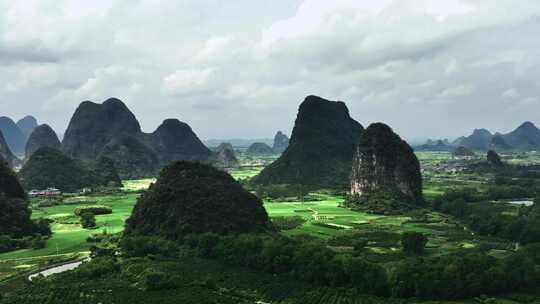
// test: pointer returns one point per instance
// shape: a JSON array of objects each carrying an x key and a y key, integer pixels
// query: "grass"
[
  {"x": 326, "y": 219},
  {"x": 69, "y": 239},
  {"x": 444, "y": 233},
  {"x": 137, "y": 185},
  {"x": 245, "y": 172}
]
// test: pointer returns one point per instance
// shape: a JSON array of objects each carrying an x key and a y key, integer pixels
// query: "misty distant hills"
[
  {"x": 238, "y": 142},
  {"x": 480, "y": 139},
  {"x": 15, "y": 138},
  {"x": 525, "y": 137},
  {"x": 16, "y": 134},
  {"x": 435, "y": 145}
]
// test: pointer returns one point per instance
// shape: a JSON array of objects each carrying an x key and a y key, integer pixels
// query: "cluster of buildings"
[
  {"x": 47, "y": 193},
  {"x": 52, "y": 192},
  {"x": 445, "y": 167}
]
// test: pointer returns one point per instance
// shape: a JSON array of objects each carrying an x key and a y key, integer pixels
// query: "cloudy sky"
[{"x": 240, "y": 68}]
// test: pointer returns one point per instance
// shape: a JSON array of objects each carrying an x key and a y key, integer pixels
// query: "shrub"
[
  {"x": 88, "y": 220},
  {"x": 153, "y": 280},
  {"x": 5, "y": 243},
  {"x": 98, "y": 251},
  {"x": 38, "y": 243},
  {"x": 42, "y": 226},
  {"x": 140, "y": 246},
  {"x": 8, "y": 244},
  {"x": 462, "y": 275},
  {"x": 98, "y": 267},
  {"x": 413, "y": 242},
  {"x": 287, "y": 222},
  {"x": 95, "y": 209}
]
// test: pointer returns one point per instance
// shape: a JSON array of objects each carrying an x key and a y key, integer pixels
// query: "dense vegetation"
[
  {"x": 42, "y": 136},
  {"x": 49, "y": 167},
  {"x": 15, "y": 222},
  {"x": 94, "y": 209},
  {"x": 320, "y": 149},
  {"x": 461, "y": 275},
  {"x": 305, "y": 259},
  {"x": 192, "y": 197},
  {"x": 485, "y": 218},
  {"x": 348, "y": 257},
  {"x": 110, "y": 129}
]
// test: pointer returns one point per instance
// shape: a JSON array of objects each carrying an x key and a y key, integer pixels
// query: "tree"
[
  {"x": 494, "y": 159},
  {"x": 38, "y": 243},
  {"x": 88, "y": 220},
  {"x": 413, "y": 242}
]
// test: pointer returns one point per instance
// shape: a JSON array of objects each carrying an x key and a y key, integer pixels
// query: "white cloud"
[
  {"x": 510, "y": 93},
  {"x": 452, "y": 67},
  {"x": 529, "y": 101},
  {"x": 459, "y": 91},
  {"x": 389, "y": 60},
  {"x": 188, "y": 81},
  {"x": 215, "y": 47}
]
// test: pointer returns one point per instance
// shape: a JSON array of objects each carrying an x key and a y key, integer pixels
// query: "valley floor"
[{"x": 322, "y": 218}]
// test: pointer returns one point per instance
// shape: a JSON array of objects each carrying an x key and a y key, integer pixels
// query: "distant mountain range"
[
  {"x": 526, "y": 137},
  {"x": 237, "y": 142},
  {"x": 16, "y": 134},
  {"x": 14, "y": 137},
  {"x": 441, "y": 145}
]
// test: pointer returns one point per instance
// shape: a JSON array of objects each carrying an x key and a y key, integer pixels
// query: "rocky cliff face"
[
  {"x": 281, "y": 142},
  {"x": 9, "y": 184},
  {"x": 174, "y": 140},
  {"x": 225, "y": 156},
  {"x": 27, "y": 124},
  {"x": 13, "y": 135},
  {"x": 321, "y": 147},
  {"x": 383, "y": 162},
  {"x": 5, "y": 153},
  {"x": 42, "y": 136}
]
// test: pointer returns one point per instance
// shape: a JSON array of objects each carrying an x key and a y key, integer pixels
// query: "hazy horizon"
[{"x": 426, "y": 68}]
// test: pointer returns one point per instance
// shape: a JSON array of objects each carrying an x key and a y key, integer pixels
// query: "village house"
[{"x": 47, "y": 193}]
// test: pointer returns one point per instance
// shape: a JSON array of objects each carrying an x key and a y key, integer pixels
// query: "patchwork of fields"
[{"x": 323, "y": 217}]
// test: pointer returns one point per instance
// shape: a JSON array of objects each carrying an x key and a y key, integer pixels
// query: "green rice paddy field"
[{"x": 323, "y": 217}]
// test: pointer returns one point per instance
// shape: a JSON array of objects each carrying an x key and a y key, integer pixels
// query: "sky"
[{"x": 240, "y": 68}]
